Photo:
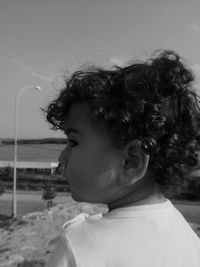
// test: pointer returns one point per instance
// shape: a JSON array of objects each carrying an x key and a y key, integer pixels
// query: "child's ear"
[{"x": 134, "y": 163}]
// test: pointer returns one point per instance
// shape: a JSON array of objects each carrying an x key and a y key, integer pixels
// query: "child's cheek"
[{"x": 79, "y": 169}]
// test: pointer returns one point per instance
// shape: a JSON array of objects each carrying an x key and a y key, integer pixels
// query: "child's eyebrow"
[{"x": 72, "y": 130}]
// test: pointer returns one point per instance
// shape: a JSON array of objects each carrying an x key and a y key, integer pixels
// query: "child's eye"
[{"x": 71, "y": 143}]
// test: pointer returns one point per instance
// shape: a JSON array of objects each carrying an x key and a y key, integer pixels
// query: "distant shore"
[{"x": 10, "y": 141}]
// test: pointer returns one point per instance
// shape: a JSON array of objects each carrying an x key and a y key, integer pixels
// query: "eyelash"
[{"x": 72, "y": 143}]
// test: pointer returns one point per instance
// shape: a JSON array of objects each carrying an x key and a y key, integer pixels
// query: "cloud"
[
  {"x": 22, "y": 66},
  {"x": 194, "y": 27},
  {"x": 196, "y": 68},
  {"x": 29, "y": 70},
  {"x": 119, "y": 61},
  {"x": 41, "y": 77}
]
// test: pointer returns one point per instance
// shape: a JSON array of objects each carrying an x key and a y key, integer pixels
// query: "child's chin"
[
  {"x": 76, "y": 197},
  {"x": 79, "y": 198}
]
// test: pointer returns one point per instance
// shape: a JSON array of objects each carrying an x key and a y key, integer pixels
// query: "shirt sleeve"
[{"x": 62, "y": 256}]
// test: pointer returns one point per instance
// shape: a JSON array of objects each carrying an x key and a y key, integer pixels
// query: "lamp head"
[{"x": 38, "y": 88}]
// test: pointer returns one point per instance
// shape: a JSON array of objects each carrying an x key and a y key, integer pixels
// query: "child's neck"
[{"x": 146, "y": 193}]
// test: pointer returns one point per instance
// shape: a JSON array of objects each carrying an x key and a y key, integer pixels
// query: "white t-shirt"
[{"x": 155, "y": 235}]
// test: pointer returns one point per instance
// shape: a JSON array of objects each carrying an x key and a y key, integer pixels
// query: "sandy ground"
[
  {"x": 28, "y": 242},
  {"x": 27, "y": 202}
]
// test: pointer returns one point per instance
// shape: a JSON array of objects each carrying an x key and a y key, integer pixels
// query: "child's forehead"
[
  {"x": 78, "y": 119},
  {"x": 77, "y": 112}
]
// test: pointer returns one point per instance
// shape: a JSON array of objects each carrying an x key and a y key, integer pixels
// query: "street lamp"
[{"x": 14, "y": 200}]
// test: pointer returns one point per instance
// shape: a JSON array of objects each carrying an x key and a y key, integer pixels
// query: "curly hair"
[{"x": 152, "y": 101}]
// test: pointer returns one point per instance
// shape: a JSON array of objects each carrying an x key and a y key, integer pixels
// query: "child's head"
[{"x": 138, "y": 123}]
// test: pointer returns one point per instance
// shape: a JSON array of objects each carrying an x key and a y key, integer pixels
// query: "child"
[{"x": 133, "y": 133}]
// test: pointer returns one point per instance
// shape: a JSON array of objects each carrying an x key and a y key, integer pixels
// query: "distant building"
[{"x": 30, "y": 165}]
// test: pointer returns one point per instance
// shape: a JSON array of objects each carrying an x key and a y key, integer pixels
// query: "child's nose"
[{"x": 63, "y": 157}]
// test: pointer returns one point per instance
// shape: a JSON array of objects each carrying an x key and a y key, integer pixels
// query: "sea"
[{"x": 31, "y": 152}]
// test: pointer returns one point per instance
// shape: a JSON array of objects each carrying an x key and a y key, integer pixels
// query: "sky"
[{"x": 42, "y": 40}]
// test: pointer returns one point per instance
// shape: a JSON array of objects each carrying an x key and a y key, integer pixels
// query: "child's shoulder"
[{"x": 80, "y": 220}]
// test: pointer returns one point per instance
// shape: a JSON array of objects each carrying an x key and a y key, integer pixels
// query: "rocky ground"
[{"x": 30, "y": 241}]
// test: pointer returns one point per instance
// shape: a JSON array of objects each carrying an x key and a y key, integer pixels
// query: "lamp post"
[{"x": 14, "y": 200}]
